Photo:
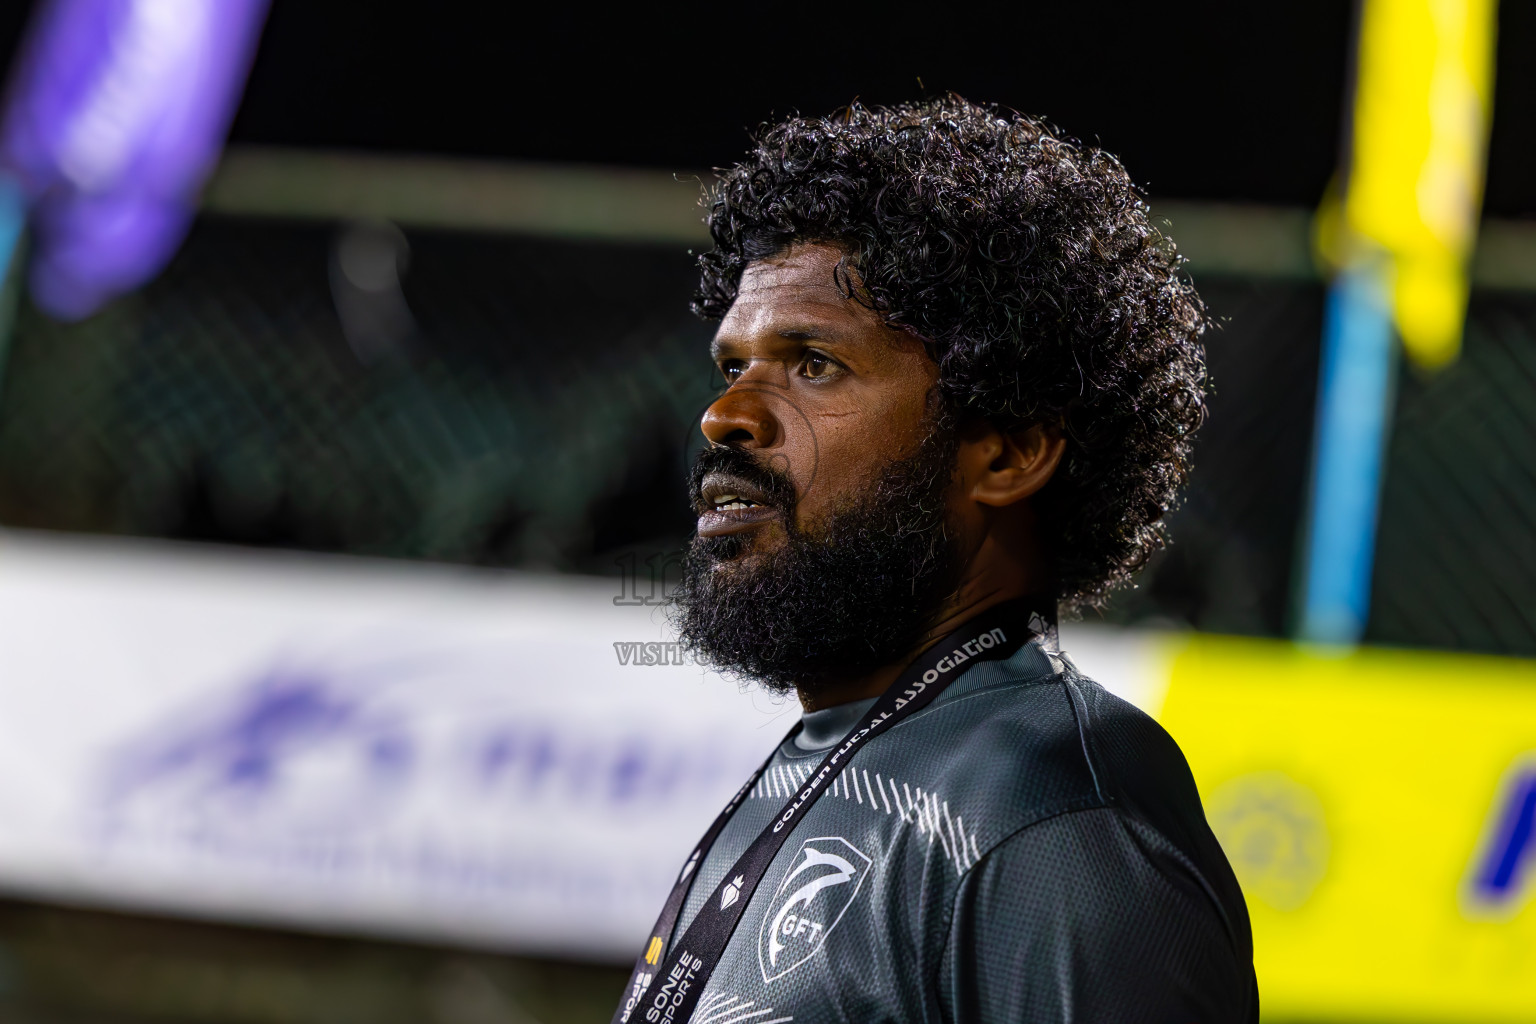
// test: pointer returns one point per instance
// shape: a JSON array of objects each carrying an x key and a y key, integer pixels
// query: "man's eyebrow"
[{"x": 795, "y": 332}]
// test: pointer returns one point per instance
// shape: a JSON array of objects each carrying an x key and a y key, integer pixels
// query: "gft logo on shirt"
[{"x": 821, "y": 882}]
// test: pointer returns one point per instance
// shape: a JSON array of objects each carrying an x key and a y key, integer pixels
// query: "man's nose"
[{"x": 741, "y": 418}]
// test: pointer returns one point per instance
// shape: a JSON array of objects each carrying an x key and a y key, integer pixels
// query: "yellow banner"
[{"x": 1372, "y": 804}]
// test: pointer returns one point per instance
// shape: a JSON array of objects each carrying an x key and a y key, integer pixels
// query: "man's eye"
[
  {"x": 732, "y": 370},
  {"x": 818, "y": 365}
]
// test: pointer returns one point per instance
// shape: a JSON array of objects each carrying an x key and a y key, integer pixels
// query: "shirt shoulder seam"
[{"x": 1069, "y": 681}]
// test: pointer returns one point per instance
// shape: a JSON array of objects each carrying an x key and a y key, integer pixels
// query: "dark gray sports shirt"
[{"x": 1027, "y": 848}]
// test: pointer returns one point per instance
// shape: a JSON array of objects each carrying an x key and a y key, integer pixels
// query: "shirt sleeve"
[{"x": 1091, "y": 916}]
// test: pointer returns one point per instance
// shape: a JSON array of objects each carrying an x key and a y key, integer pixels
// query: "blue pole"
[
  {"x": 1355, "y": 391},
  {"x": 13, "y": 217},
  {"x": 13, "y": 221}
]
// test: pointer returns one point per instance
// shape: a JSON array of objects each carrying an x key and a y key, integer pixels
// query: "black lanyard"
[{"x": 665, "y": 985}]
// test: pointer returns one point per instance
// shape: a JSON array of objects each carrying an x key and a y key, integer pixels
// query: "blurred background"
[{"x": 347, "y": 382}]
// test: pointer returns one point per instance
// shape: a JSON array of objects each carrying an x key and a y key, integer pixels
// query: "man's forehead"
[
  {"x": 800, "y": 282},
  {"x": 804, "y": 268}
]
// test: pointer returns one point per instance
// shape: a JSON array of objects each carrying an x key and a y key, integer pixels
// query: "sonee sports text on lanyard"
[{"x": 665, "y": 985}]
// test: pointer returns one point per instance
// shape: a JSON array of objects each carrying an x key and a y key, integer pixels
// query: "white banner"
[{"x": 489, "y": 757}]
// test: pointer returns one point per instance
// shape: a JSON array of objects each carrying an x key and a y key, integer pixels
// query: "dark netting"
[
  {"x": 1456, "y": 549},
  {"x": 537, "y": 408}
]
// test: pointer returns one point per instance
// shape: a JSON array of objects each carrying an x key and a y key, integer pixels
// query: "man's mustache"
[{"x": 777, "y": 489}]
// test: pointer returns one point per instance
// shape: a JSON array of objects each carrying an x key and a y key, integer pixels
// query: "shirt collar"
[{"x": 822, "y": 728}]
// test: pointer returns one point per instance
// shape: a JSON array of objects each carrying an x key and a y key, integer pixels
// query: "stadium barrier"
[{"x": 515, "y": 760}]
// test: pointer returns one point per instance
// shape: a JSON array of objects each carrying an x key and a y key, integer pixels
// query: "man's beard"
[{"x": 854, "y": 593}]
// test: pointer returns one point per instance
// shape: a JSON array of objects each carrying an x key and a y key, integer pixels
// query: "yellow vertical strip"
[{"x": 1423, "y": 99}]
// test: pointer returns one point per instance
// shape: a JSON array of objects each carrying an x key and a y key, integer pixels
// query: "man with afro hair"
[{"x": 960, "y": 374}]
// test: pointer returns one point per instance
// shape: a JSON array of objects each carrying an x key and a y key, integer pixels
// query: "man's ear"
[{"x": 1001, "y": 468}]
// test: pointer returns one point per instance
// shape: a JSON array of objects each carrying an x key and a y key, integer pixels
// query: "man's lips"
[
  {"x": 729, "y": 504},
  {"x": 718, "y": 524}
]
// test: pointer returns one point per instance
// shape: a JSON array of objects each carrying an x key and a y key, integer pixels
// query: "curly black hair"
[{"x": 1027, "y": 264}]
